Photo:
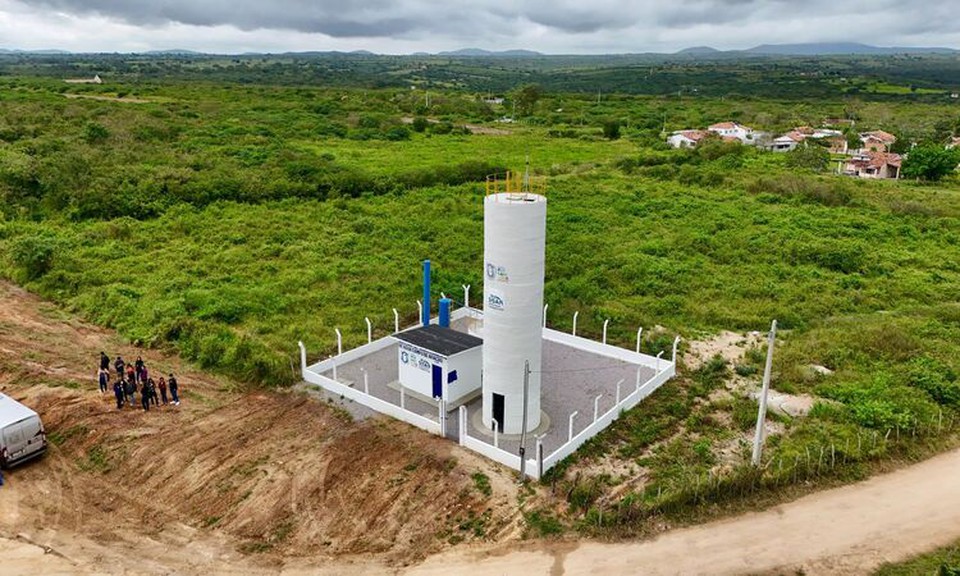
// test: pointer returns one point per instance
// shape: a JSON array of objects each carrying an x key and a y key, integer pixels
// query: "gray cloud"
[{"x": 547, "y": 25}]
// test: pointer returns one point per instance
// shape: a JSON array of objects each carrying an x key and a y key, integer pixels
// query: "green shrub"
[{"x": 34, "y": 255}]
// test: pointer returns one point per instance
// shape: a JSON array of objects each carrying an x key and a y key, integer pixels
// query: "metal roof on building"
[{"x": 443, "y": 341}]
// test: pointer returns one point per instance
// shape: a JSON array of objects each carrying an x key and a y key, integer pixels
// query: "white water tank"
[{"x": 514, "y": 244}]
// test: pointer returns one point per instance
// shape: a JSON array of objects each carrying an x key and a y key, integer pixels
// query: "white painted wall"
[
  {"x": 416, "y": 367},
  {"x": 468, "y": 365}
]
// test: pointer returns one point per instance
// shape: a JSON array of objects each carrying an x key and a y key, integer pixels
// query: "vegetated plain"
[{"x": 230, "y": 220}]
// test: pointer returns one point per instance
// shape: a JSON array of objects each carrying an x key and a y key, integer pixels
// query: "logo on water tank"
[
  {"x": 498, "y": 273},
  {"x": 495, "y": 302}
]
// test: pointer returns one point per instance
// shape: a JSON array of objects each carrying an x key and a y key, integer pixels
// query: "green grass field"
[{"x": 228, "y": 223}]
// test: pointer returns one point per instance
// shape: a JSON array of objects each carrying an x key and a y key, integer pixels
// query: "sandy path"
[{"x": 849, "y": 530}]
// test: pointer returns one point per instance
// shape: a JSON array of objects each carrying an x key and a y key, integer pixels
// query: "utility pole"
[
  {"x": 762, "y": 412},
  {"x": 523, "y": 426}
]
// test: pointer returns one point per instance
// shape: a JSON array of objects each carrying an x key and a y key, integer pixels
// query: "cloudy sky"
[{"x": 403, "y": 26}]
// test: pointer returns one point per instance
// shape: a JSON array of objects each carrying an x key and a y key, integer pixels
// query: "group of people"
[{"x": 133, "y": 379}]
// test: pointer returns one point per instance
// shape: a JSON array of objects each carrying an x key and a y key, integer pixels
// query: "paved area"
[{"x": 571, "y": 380}]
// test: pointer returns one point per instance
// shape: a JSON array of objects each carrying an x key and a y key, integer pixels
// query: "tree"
[
  {"x": 526, "y": 98},
  {"x": 611, "y": 129},
  {"x": 814, "y": 157},
  {"x": 420, "y": 124},
  {"x": 930, "y": 162},
  {"x": 853, "y": 139}
]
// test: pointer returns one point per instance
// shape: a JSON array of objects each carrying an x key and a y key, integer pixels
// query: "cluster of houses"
[{"x": 873, "y": 159}]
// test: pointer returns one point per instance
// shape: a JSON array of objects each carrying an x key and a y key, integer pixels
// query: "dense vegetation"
[
  {"x": 916, "y": 77},
  {"x": 229, "y": 220}
]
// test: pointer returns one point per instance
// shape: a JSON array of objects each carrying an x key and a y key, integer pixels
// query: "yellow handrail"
[{"x": 516, "y": 183}]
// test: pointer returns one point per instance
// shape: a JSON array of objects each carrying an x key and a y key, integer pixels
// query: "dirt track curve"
[{"x": 849, "y": 530}]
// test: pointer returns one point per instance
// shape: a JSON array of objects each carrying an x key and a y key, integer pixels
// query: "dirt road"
[{"x": 849, "y": 530}]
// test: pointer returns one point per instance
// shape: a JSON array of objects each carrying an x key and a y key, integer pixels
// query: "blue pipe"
[
  {"x": 425, "y": 316},
  {"x": 445, "y": 312}
]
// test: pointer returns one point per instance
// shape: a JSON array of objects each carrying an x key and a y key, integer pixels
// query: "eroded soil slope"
[{"x": 263, "y": 475}]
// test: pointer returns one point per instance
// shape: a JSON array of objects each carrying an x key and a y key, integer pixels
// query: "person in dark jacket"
[
  {"x": 118, "y": 393},
  {"x": 104, "y": 361},
  {"x": 152, "y": 390},
  {"x": 145, "y": 397},
  {"x": 138, "y": 366},
  {"x": 174, "y": 389},
  {"x": 131, "y": 375},
  {"x": 119, "y": 365},
  {"x": 130, "y": 391},
  {"x": 162, "y": 386}
]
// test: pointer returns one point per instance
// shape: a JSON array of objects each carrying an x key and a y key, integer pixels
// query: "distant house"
[
  {"x": 871, "y": 164},
  {"x": 95, "y": 80},
  {"x": 837, "y": 122},
  {"x": 787, "y": 142},
  {"x": 686, "y": 138},
  {"x": 835, "y": 138},
  {"x": 877, "y": 141},
  {"x": 731, "y": 129},
  {"x": 493, "y": 101}
]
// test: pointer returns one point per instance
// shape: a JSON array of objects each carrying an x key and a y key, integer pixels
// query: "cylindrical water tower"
[{"x": 514, "y": 242}]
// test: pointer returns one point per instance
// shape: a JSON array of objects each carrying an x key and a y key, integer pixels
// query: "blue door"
[{"x": 437, "y": 381}]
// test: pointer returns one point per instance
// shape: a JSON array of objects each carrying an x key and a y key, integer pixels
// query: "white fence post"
[
  {"x": 339, "y": 341},
  {"x": 596, "y": 407},
  {"x": 303, "y": 356},
  {"x": 463, "y": 425},
  {"x": 639, "y": 333},
  {"x": 605, "y": 322},
  {"x": 659, "y": 354},
  {"x": 419, "y": 309},
  {"x": 762, "y": 400},
  {"x": 496, "y": 432},
  {"x": 442, "y": 416},
  {"x": 617, "y": 403},
  {"x": 396, "y": 321},
  {"x": 335, "y": 368},
  {"x": 676, "y": 343},
  {"x": 466, "y": 295},
  {"x": 545, "y": 306},
  {"x": 366, "y": 381},
  {"x": 575, "y": 314},
  {"x": 369, "y": 330},
  {"x": 570, "y": 425}
]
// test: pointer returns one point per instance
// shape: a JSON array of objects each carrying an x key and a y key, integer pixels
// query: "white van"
[{"x": 22, "y": 436}]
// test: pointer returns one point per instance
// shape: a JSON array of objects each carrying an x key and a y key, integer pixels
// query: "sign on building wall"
[{"x": 417, "y": 357}]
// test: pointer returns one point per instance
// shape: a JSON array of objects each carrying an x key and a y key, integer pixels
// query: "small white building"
[
  {"x": 686, "y": 138},
  {"x": 733, "y": 130},
  {"x": 787, "y": 142},
  {"x": 438, "y": 362}
]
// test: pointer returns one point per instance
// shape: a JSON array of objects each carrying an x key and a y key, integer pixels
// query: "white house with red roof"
[
  {"x": 871, "y": 164},
  {"x": 788, "y": 141},
  {"x": 686, "y": 138},
  {"x": 731, "y": 129},
  {"x": 877, "y": 141}
]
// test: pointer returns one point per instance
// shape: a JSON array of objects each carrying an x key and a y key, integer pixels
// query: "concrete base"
[
  {"x": 476, "y": 425},
  {"x": 395, "y": 386}
]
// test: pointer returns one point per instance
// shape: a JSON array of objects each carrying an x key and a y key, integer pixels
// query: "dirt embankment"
[{"x": 255, "y": 477}]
